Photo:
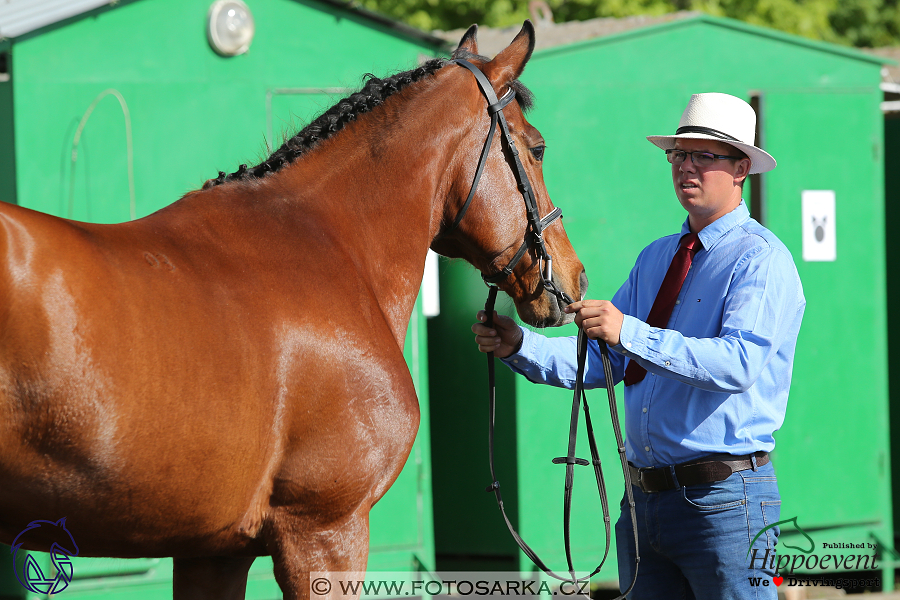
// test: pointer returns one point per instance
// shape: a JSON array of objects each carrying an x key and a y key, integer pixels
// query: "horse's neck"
[{"x": 385, "y": 175}]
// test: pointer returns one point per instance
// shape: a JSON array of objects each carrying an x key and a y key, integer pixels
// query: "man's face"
[{"x": 708, "y": 193}]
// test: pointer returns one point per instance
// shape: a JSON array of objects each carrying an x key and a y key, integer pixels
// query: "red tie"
[{"x": 666, "y": 297}]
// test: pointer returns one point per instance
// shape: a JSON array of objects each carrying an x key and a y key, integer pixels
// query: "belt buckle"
[{"x": 640, "y": 481}]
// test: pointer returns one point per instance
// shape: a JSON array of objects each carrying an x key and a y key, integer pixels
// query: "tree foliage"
[{"x": 861, "y": 23}]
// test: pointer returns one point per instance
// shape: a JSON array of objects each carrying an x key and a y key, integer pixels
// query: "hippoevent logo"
[
  {"x": 29, "y": 572},
  {"x": 806, "y": 559}
]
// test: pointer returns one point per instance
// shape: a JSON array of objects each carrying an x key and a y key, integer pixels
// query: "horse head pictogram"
[
  {"x": 812, "y": 544},
  {"x": 63, "y": 548}
]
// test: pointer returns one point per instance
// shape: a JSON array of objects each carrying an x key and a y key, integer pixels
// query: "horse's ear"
[
  {"x": 509, "y": 64},
  {"x": 468, "y": 43}
]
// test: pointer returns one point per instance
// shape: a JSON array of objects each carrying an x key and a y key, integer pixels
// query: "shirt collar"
[{"x": 716, "y": 230}]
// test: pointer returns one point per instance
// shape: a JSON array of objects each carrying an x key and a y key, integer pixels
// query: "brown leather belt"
[{"x": 704, "y": 470}]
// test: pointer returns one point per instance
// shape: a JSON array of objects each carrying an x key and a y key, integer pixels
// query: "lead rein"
[{"x": 569, "y": 460}]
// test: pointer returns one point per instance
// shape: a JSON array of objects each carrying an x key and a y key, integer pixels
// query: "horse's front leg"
[{"x": 333, "y": 553}]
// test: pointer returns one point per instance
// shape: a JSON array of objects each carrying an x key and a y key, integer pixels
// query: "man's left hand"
[{"x": 599, "y": 319}]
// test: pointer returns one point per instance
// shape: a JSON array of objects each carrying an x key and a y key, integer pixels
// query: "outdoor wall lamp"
[{"x": 230, "y": 27}]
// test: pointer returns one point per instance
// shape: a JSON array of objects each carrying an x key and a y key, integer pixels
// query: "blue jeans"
[{"x": 694, "y": 540}]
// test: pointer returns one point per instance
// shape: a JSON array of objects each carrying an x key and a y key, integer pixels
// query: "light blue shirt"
[{"x": 718, "y": 376}]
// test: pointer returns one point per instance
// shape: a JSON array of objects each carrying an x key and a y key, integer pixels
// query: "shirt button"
[
  {"x": 678, "y": 302},
  {"x": 516, "y": 360},
  {"x": 647, "y": 448},
  {"x": 628, "y": 345},
  {"x": 668, "y": 363},
  {"x": 645, "y": 409}
]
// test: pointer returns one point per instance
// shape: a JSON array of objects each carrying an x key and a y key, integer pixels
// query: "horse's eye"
[{"x": 538, "y": 152}]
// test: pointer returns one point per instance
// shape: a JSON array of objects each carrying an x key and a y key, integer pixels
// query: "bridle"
[
  {"x": 534, "y": 240},
  {"x": 534, "y": 237}
]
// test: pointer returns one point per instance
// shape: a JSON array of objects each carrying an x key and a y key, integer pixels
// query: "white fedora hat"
[{"x": 722, "y": 118}]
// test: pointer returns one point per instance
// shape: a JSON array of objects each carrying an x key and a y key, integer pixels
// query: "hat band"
[{"x": 707, "y": 131}]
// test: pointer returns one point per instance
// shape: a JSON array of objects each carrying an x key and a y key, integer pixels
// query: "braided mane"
[{"x": 373, "y": 93}]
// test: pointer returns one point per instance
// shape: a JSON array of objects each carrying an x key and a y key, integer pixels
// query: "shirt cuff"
[
  {"x": 633, "y": 338},
  {"x": 526, "y": 348},
  {"x": 525, "y": 361}
]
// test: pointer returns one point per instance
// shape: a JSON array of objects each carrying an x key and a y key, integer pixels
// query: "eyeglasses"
[{"x": 700, "y": 159}]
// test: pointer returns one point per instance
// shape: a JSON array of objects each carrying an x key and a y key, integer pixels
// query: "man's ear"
[{"x": 742, "y": 169}]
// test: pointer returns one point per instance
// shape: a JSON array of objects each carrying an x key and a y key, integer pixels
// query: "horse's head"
[{"x": 490, "y": 229}]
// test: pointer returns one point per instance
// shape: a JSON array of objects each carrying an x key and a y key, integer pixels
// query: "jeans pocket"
[
  {"x": 771, "y": 512},
  {"x": 720, "y": 495}
]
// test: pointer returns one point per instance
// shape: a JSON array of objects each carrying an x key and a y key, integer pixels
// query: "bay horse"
[{"x": 224, "y": 378}]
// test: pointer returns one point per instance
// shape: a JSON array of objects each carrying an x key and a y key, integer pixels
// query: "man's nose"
[{"x": 688, "y": 165}]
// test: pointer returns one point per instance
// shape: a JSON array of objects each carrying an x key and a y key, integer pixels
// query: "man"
[{"x": 703, "y": 332}]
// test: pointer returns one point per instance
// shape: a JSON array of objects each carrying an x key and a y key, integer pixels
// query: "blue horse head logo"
[{"x": 62, "y": 550}]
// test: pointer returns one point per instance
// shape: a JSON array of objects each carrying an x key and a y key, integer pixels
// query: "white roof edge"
[{"x": 18, "y": 17}]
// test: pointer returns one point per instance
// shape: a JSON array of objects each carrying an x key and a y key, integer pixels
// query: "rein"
[{"x": 534, "y": 240}]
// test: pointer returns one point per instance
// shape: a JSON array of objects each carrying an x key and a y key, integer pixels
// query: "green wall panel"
[{"x": 841, "y": 363}]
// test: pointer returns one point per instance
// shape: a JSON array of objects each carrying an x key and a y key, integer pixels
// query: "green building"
[
  {"x": 112, "y": 110},
  {"x": 601, "y": 86}
]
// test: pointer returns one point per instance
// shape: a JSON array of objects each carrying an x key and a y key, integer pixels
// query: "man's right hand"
[{"x": 502, "y": 339}]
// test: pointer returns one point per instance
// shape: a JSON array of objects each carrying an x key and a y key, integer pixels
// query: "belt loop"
[
  {"x": 674, "y": 477},
  {"x": 753, "y": 461}
]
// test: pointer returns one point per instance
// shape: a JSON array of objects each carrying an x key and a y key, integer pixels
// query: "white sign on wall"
[{"x": 819, "y": 243}]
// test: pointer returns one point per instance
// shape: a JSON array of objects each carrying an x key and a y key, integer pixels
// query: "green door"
[{"x": 834, "y": 445}]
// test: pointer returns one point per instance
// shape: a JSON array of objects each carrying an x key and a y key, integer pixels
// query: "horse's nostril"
[{"x": 583, "y": 284}]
